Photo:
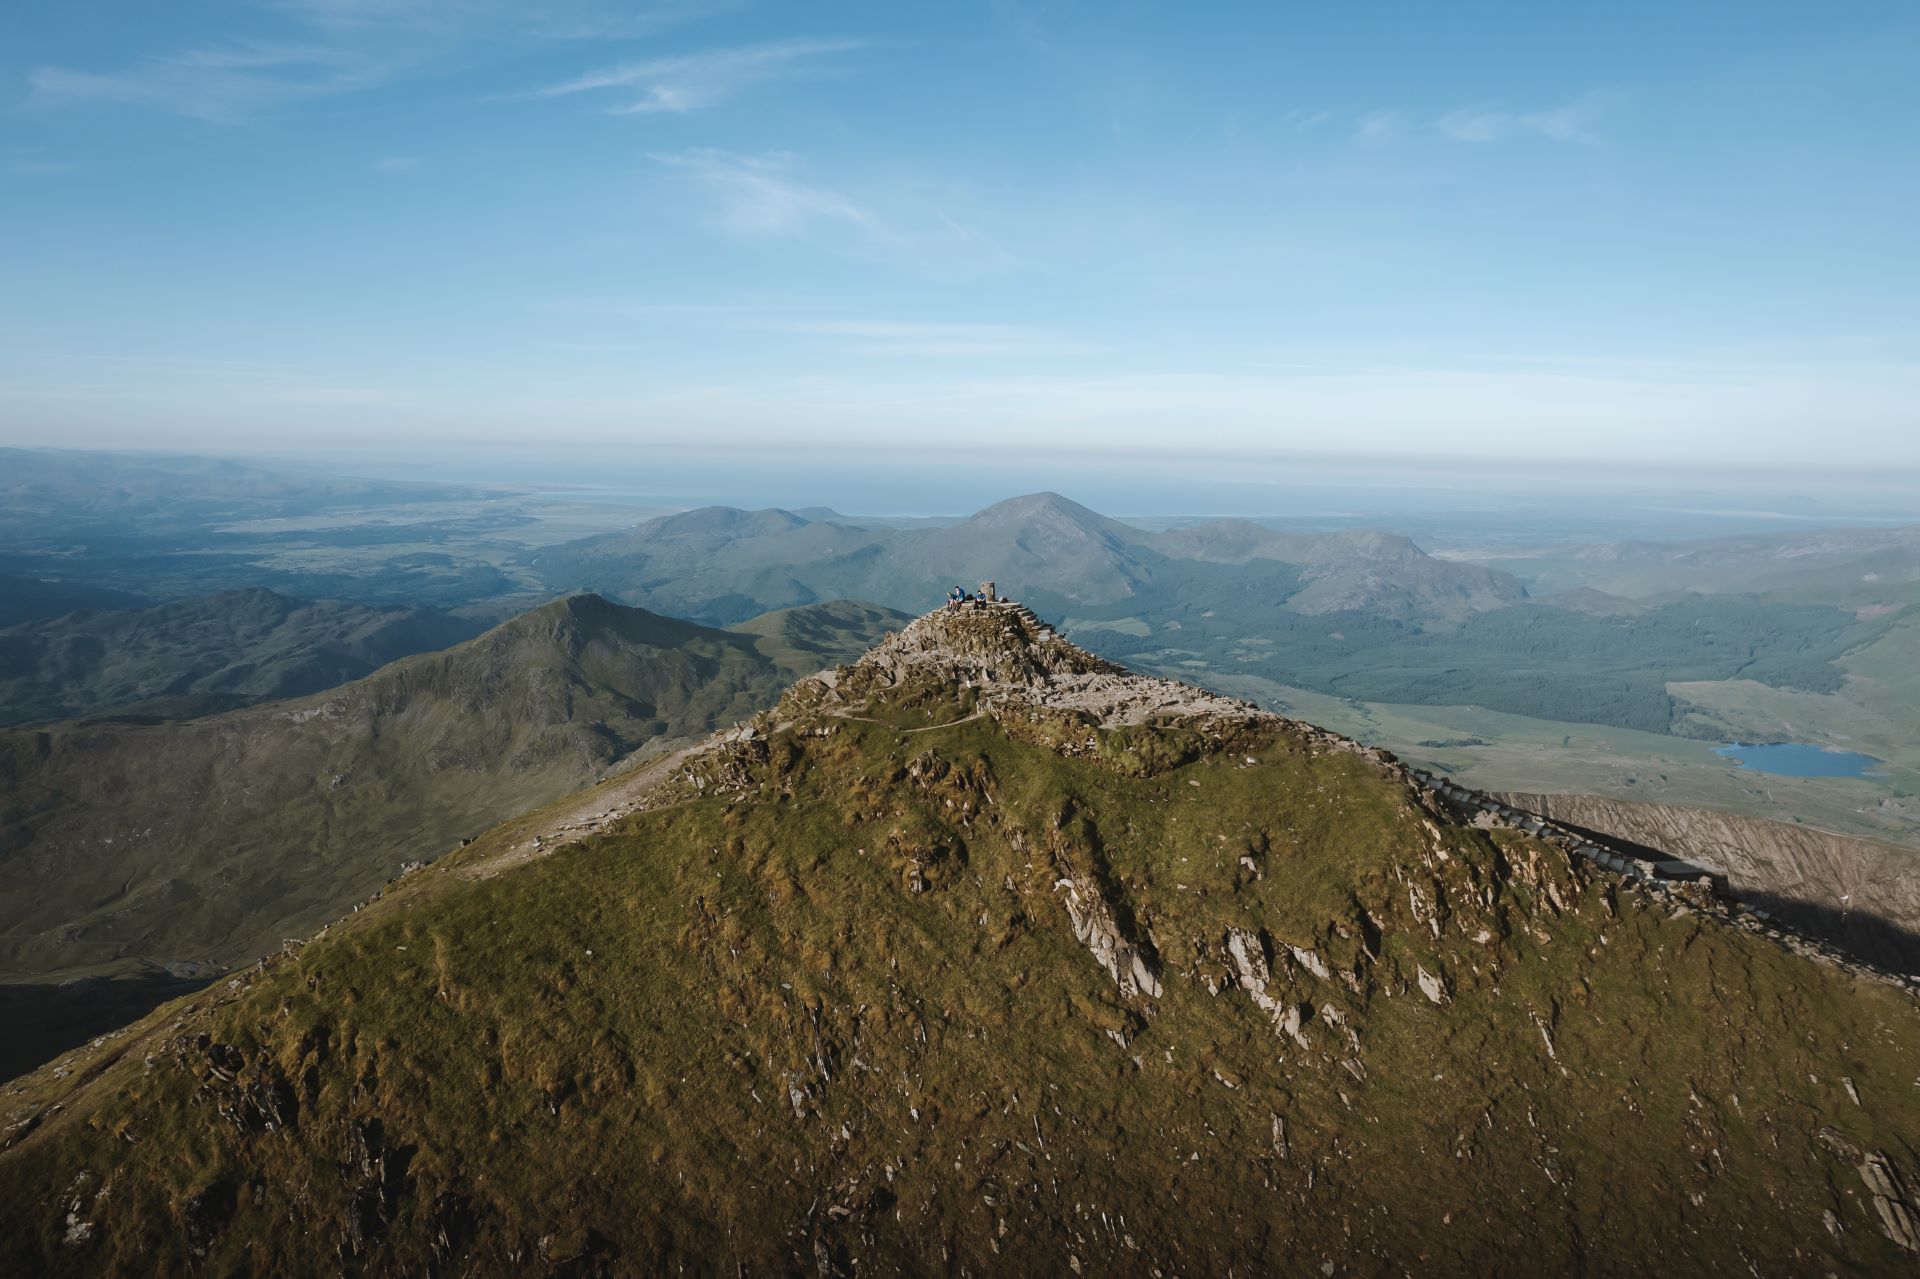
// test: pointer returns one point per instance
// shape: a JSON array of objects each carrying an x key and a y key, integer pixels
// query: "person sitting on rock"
[{"x": 955, "y": 596}]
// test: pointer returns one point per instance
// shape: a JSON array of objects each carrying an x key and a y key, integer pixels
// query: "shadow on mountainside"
[
  {"x": 1859, "y": 934},
  {"x": 44, "y": 1021}
]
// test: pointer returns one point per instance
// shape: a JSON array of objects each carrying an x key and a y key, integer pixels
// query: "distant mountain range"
[
  {"x": 24, "y": 598},
  {"x": 1861, "y": 567},
  {"x": 42, "y": 487},
  {"x": 200, "y": 656},
  {"x": 720, "y": 565}
]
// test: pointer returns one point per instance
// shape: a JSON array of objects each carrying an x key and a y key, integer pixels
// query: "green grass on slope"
[
  {"x": 1531, "y": 659},
  {"x": 730, "y": 1036},
  {"x": 803, "y": 640},
  {"x": 127, "y": 846}
]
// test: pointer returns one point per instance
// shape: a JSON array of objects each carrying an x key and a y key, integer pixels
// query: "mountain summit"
[{"x": 981, "y": 954}]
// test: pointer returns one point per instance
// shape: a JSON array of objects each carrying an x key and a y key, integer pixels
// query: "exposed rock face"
[
  {"x": 1010, "y": 659},
  {"x": 1249, "y": 958},
  {"x": 1893, "y": 1205},
  {"x": 1094, "y": 924},
  {"x": 1862, "y": 895}
]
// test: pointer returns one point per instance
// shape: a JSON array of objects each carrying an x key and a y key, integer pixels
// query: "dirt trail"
[{"x": 593, "y": 811}]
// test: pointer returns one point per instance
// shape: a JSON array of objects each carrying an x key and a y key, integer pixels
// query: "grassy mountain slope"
[
  {"x": 214, "y": 653},
  {"x": 983, "y": 957},
  {"x": 24, "y": 599},
  {"x": 801, "y": 640},
  {"x": 210, "y": 840}
]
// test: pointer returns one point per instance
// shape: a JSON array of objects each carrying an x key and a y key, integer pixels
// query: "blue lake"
[{"x": 1796, "y": 759}]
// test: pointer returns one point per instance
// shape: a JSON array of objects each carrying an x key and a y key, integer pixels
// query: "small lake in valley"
[{"x": 1797, "y": 759}]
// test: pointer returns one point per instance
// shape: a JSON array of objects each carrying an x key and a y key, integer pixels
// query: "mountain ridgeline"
[
  {"x": 721, "y": 565},
  {"x": 203, "y": 843},
  {"x": 983, "y": 955},
  {"x": 201, "y": 656},
  {"x": 1361, "y": 615}
]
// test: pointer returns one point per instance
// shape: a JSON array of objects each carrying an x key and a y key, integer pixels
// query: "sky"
[{"x": 1646, "y": 234}]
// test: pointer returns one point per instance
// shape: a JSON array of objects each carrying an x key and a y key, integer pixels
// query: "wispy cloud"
[
  {"x": 767, "y": 197},
  {"x": 939, "y": 341},
  {"x": 1378, "y": 126},
  {"x": 318, "y": 49},
  {"x": 222, "y": 84},
  {"x": 763, "y": 196},
  {"x": 692, "y": 81},
  {"x": 545, "y": 20},
  {"x": 33, "y": 163},
  {"x": 1576, "y": 121},
  {"x": 863, "y": 337}
]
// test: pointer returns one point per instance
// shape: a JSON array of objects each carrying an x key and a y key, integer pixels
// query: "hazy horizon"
[{"x": 1442, "y": 502}]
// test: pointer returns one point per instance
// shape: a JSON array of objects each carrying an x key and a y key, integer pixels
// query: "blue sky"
[{"x": 1659, "y": 233}]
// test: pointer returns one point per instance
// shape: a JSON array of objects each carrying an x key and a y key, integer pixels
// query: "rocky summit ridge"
[
  {"x": 1005, "y": 655},
  {"x": 980, "y": 955}
]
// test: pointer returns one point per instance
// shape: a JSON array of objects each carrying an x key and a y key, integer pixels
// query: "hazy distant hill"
[
  {"x": 987, "y": 958},
  {"x": 721, "y": 564},
  {"x": 198, "y": 656},
  {"x": 210, "y": 839},
  {"x": 1363, "y": 570},
  {"x": 42, "y": 487},
  {"x": 1840, "y": 566},
  {"x": 24, "y": 598},
  {"x": 169, "y": 526}
]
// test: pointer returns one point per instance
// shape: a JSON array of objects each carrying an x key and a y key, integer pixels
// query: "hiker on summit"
[{"x": 955, "y": 596}]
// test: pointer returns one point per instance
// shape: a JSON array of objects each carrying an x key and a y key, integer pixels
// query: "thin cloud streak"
[
  {"x": 758, "y": 195},
  {"x": 1574, "y": 122},
  {"x": 330, "y": 48},
  {"x": 880, "y": 338},
  {"x": 939, "y": 341},
  {"x": 217, "y": 85},
  {"x": 690, "y": 82},
  {"x": 763, "y": 197}
]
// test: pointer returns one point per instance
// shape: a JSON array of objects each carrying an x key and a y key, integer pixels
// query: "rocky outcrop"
[
  {"x": 1893, "y": 1205},
  {"x": 1008, "y": 658},
  {"x": 1098, "y": 930},
  {"x": 1859, "y": 894}
]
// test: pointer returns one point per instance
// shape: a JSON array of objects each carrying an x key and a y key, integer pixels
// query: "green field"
[{"x": 1519, "y": 753}]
